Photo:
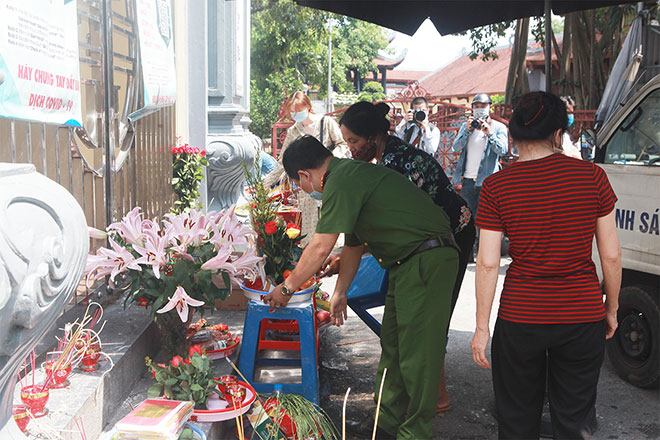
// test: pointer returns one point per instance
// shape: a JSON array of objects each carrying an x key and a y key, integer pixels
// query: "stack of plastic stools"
[
  {"x": 368, "y": 290},
  {"x": 259, "y": 321}
]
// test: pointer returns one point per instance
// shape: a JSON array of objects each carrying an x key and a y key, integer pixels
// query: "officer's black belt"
[{"x": 431, "y": 243}]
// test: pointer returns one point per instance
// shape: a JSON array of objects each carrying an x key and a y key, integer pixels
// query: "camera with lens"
[
  {"x": 418, "y": 115},
  {"x": 477, "y": 123}
]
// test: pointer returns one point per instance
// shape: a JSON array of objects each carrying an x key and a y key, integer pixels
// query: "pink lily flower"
[
  {"x": 186, "y": 229},
  {"x": 229, "y": 230},
  {"x": 111, "y": 261},
  {"x": 180, "y": 300},
  {"x": 246, "y": 265},
  {"x": 96, "y": 233},
  {"x": 130, "y": 227},
  {"x": 154, "y": 251},
  {"x": 221, "y": 261}
]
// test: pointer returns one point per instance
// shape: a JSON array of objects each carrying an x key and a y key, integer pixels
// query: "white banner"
[
  {"x": 157, "y": 52},
  {"x": 39, "y": 73}
]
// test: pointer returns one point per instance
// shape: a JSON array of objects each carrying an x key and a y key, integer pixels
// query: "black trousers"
[{"x": 569, "y": 355}]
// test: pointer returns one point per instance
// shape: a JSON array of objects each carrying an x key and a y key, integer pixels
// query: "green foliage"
[
  {"x": 187, "y": 173},
  {"x": 497, "y": 99},
  {"x": 372, "y": 92},
  {"x": 309, "y": 420},
  {"x": 289, "y": 48},
  {"x": 191, "y": 379},
  {"x": 484, "y": 39}
]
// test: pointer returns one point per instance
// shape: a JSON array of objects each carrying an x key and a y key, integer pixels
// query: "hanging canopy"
[{"x": 449, "y": 16}]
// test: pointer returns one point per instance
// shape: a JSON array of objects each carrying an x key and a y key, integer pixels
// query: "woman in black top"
[{"x": 365, "y": 128}]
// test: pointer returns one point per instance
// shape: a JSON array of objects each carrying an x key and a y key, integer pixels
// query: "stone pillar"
[
  {"x": 229, "y": 142},
  {"x": 191, "y": 36},
  {"x": 43, "y": 250}
]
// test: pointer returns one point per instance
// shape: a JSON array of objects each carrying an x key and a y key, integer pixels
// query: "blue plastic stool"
[
  {"x": 368, "y": 290},
  {"x": 305, "y": 316}
]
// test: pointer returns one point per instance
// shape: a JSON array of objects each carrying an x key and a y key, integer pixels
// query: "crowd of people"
[{"x": 388, "y": 196}]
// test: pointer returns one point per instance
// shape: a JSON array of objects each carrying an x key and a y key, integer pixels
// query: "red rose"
[
  {"x": 177, "y": 361},
  {"x": 187, "y": 361},
  {"x": 143, "y": 301},
  {"x": 196, "y": 349},
  {"x": 203, "y": 153},
  {"x": 174, "y": 150},
  {"x": 196, "y": 150},
  {"x": 270, "y": 227}
]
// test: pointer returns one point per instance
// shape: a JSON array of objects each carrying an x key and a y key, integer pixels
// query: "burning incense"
[
  {"x": 380, "y": 395},
  {"x": 343, "y": 415}
]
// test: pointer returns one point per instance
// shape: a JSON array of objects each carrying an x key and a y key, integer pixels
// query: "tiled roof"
[{"x": 466, "y": 77}]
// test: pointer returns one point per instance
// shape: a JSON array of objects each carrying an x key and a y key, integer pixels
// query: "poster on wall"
[
  {"x": 39, "y": 72},
  {"x": 156, "y": 52}
]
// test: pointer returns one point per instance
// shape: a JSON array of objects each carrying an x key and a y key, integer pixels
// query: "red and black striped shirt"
[{"x": 548, "y": 208}]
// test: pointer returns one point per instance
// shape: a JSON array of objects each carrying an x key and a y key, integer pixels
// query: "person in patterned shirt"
[{"x": 365, "y": 127}]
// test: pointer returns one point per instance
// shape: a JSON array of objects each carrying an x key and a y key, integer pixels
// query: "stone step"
[
  {"x": 128, "y": 336},
  {"x": 214, "y": 431}
]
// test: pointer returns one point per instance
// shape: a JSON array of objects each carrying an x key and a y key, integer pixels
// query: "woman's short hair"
[
  {"x": 538, "y": 115},
  {"x": 305, "y": 153},
  {"x": 366, "y": 119},
  {"x": 299, "y": 98}
]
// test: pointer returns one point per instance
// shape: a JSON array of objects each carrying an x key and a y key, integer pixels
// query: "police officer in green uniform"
[{"x": 382, "y": 212}]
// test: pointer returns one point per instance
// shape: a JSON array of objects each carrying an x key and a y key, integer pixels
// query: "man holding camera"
[
  {"x": 481, "y": 141},
  {"x": 416, "y": 129}
]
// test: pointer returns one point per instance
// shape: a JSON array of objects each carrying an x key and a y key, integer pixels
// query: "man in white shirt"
[
  {"x": 416, "y": 129},
  {"x": 481, "y": 141}
]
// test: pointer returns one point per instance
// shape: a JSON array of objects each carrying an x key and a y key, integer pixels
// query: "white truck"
[{"x": 628, "y": 149}]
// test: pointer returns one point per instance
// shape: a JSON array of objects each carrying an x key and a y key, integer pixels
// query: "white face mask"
[
  {"x": 299, "y": 116},
  {"x": 480, "y": 113}
]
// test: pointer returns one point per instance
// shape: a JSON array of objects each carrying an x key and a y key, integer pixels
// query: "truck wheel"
[{"x": 635, "y": 348}]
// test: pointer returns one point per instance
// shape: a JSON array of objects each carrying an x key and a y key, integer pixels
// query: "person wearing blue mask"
[
  {"x": 568, "y": 146},
  {"x": 381, "y": 211},
  {"x": 323, "y": 128}
]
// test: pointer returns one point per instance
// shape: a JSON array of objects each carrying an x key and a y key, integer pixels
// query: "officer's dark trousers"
[{"x": 573, "y": 354}]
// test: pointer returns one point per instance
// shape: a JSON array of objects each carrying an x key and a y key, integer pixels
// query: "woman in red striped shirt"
[{"x": 552, "y": 321}]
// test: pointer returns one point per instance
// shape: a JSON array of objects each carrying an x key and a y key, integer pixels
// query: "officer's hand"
[
  {"x": 338, "y": 309},
  {"x": 409, "y": 116},
  {"x": 478, "y": 345},
  {"x": 276, "y": 299},
  {"x": 331, "y": 266}
]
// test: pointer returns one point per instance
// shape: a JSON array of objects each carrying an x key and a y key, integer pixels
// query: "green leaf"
[
  {"x": 168, "y": 392},
  {"x": 171, "y": 381},
  {"x": 196, "y": 387},
  {"x": 155, "y": 390}
]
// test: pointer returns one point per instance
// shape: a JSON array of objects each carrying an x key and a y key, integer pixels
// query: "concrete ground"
[{"x": 350, "y": 354}]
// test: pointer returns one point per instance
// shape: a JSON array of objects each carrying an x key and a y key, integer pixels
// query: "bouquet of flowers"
[
  {"x": 277, "y": 239},
  {"x": 176, "y": 263},
  {"x": 187, "y": 172},
  {"x": 191, "y": 379}
]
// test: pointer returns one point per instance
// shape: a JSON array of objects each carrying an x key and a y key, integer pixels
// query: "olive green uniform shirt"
[{"x": 378, "y": 208}]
